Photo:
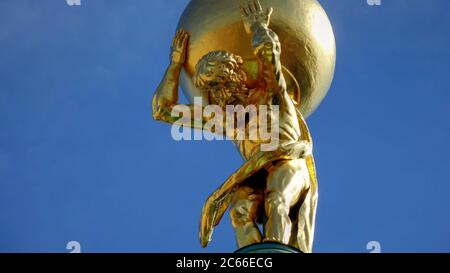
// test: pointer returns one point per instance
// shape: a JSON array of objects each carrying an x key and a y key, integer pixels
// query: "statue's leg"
[
  {"x": 243, "y": 212},
  {"x": 306, "y": 219},
  {"x": 286, "y": 182}
]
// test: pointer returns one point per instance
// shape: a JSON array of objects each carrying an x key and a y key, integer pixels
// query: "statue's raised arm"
[
  {"x": 266, "y": 45},
  {"x": 166, "y": 96},
  {"x": 165, "y": 99}
]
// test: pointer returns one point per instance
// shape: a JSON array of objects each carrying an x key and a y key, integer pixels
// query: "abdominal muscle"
[{"x": 289, "y": 129}]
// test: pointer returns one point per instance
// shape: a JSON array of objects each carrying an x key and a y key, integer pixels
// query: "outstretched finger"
[
  {"x": 250, "y": 7},
  {"x": 180, "y": 38},
  {"x": 257, "y": 5},
  {"x": 244, "y": 11},
  {"x": 269, "y": 12},
  {"x": 176, "y": 38},
  {"x": 185, "y": 39}
]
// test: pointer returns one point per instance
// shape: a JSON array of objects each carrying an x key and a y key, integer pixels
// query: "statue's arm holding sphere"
[
  {"x": 266, "y": 45},
  {"x": 165, "y": 98}
]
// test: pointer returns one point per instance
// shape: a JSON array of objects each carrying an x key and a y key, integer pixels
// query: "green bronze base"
[{"x": 268, "y": 247}]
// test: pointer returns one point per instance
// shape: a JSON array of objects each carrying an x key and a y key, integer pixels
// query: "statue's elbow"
[{"x": 156, "y": 113}]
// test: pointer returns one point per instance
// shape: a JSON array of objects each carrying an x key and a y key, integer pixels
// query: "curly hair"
[{"x": 213, "y": 58}]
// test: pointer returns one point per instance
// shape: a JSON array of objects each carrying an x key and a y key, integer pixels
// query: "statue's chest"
[{"x": 258, "y": 97}]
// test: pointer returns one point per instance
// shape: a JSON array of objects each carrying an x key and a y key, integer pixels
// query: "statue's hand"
[
  {"x": 179, "y": 47},
  {"x": 253, "y": 13}
]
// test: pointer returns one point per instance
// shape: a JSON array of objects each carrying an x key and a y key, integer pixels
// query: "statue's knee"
[
  {"x": 277, "y": 201},
  {"x": 242, "y": 213}
]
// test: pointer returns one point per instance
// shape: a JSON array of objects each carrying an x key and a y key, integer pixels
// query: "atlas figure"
[{"x": 275, "y": 189}]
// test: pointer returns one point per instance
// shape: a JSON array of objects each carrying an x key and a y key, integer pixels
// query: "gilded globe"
[{"x": 308, "y": 49}]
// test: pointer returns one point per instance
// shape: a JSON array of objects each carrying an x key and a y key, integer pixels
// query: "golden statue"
[{"x": 274, "y": 187}]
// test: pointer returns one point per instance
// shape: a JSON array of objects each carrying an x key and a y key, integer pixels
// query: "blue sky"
[{"x": 81, "y": 159}]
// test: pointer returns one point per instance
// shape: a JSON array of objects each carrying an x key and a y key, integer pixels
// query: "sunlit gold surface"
[
  {"x": 277, "y": 188},
  {"x": 306, "y": 35}
]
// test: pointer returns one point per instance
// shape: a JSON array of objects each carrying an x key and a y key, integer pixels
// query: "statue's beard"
[
  {"x": 228, "y": 94},
  {"x": 230, "y": 91}
]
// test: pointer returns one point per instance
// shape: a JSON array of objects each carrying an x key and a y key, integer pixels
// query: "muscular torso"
[{"x": 288, "y": 125}]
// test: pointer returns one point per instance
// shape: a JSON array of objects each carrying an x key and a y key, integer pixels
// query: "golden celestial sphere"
[{"x": 308, "y": 48}]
